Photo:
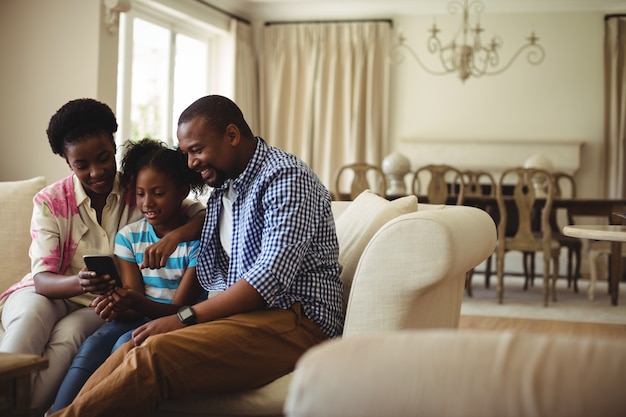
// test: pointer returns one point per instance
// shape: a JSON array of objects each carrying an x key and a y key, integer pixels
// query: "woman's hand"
[
  {"x": 95, "y": 284},
  {"x": 156, "y": 326}
]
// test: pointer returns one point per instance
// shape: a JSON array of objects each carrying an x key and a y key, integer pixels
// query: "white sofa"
[
  {"x": 16, "y": 208},
  {"x": 404, "y": 268},
  {"x": 460, "y": 373}
]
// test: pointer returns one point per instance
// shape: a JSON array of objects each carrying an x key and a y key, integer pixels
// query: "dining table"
[{"x": 616, "y": 234}]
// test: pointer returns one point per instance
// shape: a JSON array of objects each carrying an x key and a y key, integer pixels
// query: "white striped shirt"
[{"x": 159, "y": 284}]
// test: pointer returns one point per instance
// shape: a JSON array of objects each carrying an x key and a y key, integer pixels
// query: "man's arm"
[
  {"x": 240, "y": 297},
  {"x": 155, "y": 256}
]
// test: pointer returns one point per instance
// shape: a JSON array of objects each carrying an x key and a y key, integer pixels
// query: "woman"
[{"x": 43, "y": 314}]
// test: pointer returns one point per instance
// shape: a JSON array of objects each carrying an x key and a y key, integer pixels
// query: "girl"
[{"x": 161, "y": 181}]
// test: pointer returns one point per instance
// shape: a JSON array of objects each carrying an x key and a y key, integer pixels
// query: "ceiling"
[{"x": 298, "y": 10}]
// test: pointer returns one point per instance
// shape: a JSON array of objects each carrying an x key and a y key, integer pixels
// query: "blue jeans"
[{"x": 91, "y": 354}]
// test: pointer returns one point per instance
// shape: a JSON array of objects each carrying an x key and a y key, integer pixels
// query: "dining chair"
[
  {"x": 439, "y": 183},
  {"x": 533, "y": 193},
  {"x": 359, "y": 177},
  {"x": 564, "y": 186},
  {"x": 479, "y": 183}
]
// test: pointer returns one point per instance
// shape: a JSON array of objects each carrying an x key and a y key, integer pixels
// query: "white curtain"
[
  {"x": 615, "y": 128},
  {"x": 246, "y": 93},
  {"x": 324, "y": 89}
]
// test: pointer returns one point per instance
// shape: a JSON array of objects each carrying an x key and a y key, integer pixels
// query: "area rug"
[{"x": 570, "y": 306}]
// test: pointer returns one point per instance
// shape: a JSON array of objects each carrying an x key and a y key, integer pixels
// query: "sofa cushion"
[
  {"x": 267, "y": 400},
  {"x": 16, "y": 200},
  {"x": 359, "y": 222},
  {"x": 460, "y": 373}
]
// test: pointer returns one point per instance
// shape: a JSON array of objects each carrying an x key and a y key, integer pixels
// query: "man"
[{"x": 269, "y": 243}]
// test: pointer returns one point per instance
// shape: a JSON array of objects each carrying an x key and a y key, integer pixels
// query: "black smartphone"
[{"x": 103, "y": 264}]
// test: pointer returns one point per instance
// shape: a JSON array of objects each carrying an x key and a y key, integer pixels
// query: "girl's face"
[
  {"x": 160, "y": 199},
  {"x": 92, "y": 160}
]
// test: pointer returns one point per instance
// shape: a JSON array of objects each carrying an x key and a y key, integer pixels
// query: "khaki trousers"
[{"x": 231, "y": 354}]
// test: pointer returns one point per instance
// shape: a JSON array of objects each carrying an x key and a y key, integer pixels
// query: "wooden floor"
[{"x": 541, "y": 326}]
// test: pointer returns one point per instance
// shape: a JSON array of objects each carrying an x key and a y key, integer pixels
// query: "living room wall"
[
  {"x": 52, "y": 52},
  {"x": 559, "y": 100},
  {"x": 56, "y": 51}
]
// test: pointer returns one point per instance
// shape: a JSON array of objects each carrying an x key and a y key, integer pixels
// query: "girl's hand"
[
  {"x": 103, "y": 306},
  {"x": 156, "y": 326},
  {"x": 123, "y": 299}
]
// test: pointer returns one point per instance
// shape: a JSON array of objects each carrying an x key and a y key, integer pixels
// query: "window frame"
[{"x": 174, "y": 16}]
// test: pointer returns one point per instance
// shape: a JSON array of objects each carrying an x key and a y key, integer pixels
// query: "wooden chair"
[
  {"x": 361, "y": 177},
  {"x": 564, "y": 185},
  {"x": 439, "y": 183},
  {"x": 479, "y": 183},
  {"x": 528, "y": 184}
]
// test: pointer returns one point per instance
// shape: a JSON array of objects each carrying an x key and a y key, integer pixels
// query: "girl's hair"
[
  {"x": 155, "y": 154},
  {"x": 78, "y": 119}
]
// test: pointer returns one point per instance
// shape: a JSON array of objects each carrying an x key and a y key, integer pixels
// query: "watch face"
[{"x": 186, "y": 315}]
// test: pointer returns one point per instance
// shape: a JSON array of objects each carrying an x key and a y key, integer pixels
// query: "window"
[{"x": 167, "y": 59}]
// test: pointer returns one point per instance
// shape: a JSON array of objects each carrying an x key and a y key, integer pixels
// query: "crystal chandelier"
[{"x": 468, "y": 56}]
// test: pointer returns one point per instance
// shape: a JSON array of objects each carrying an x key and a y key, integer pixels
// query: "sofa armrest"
[
  {"x": 412, "y": 272},
  {"x": 460, "y": 373}
]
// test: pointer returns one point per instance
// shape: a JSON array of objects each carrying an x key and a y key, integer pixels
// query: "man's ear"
[{"x": 233, "y": 134}]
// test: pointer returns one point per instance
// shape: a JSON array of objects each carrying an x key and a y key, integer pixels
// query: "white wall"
[
  {"x": 52, "y": 51},
  {"x": 559, "y": 100}
]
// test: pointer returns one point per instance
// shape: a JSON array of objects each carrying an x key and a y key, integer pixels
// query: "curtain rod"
[
  {"x": 329, "y": 21},
  {"x": 206, "y": 3}
]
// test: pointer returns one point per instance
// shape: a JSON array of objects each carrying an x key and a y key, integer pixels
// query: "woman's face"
[{"x": 92, "y": 160}]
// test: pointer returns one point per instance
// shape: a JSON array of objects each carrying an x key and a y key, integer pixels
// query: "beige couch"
[
  {"x": 16, "y": 207},
  {"x": 450, "y": 373},
  {"x": 404, "y": 268}
]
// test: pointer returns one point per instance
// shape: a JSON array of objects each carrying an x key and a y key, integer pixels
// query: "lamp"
[
  {"x": 395, "y": 167},
  {"x": 112, "y": 10},
  {"x": 470, "y": 57}
]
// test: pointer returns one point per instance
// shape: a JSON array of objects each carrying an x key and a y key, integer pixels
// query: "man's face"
[{"x": 208, "y": 152}]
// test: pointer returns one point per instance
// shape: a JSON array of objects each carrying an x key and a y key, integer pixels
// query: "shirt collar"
[{"x": 244, "y": 179}]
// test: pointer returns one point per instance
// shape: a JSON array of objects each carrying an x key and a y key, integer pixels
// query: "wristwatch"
[{"x": 186, "y": 315}]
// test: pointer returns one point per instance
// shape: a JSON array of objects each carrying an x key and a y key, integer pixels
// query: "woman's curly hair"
[
  {"x": 78, "y": 119},
  {"x": 155, "y": 154}
]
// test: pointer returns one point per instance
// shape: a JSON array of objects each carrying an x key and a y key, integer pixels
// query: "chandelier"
[{"x": 468, "y": 56}]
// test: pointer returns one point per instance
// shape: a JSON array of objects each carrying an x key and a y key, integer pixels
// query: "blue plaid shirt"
[{"x": 284, "y": 242}]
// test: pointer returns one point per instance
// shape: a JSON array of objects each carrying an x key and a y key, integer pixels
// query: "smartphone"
[{"x": 103, "y": 264}]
